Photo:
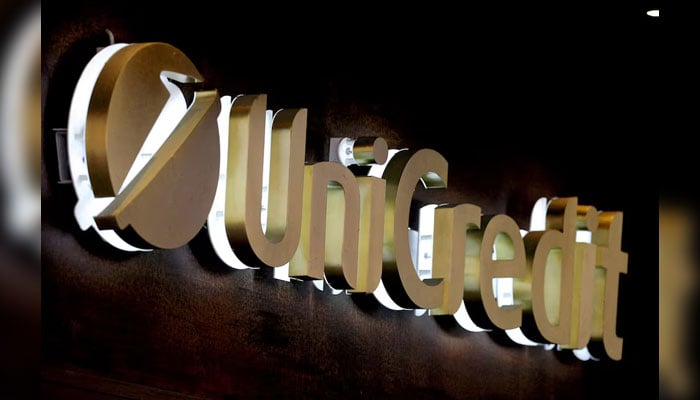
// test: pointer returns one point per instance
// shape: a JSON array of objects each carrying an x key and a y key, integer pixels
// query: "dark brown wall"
[{"x": 520, "y": 109}]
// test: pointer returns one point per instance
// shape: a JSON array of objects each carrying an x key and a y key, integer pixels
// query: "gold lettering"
[
  {"x": 503, "y": 234},
  {"x": 277, "y": 244},
  {"x": 402, "y": 173},
  {"x": 372, "y": 197},
  {"x": 330, "y": 226},
  {"x": 550, "y": 258},
  {"x": 455, "y": 225},
  {"x": 321, "y": 218},
  {"x": 610, "y": 263},
  {"x": 341, "y": 228},
  {"x": 584, "y": 268},
  {"x": 582, "y": 300}
]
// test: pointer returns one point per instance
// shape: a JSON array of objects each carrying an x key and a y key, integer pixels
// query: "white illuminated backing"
[
  {"x": 420, "y": 243},
  {"x": 344, "y": 152},
  {"x": 422, "y": 251},
  {"x": 465, "y": 321},
  {"x": 584, "y": 355},
  {"x": 88, "y": 206}
]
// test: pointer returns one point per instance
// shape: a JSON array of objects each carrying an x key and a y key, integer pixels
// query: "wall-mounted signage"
[{"x": 151, "y": 166}]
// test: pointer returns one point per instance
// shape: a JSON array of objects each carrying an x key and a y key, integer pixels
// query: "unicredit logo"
[{"x": 152, "y": 164}]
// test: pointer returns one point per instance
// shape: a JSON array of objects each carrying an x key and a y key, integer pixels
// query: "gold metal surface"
[
  {"x": 582, "y": 300},
  {"x": 275, "y": 246},
  {"x": 341, "y": 229},
  {"x": 370, "y": 150},
  {"x": 550, "y": 262},
  {"x": 456, "y": 231},
  {"x": 610, "y": 263},
  {"x": 372, "y": 197},
  {"x": 402, "y": 173},
  {"x": 584, "y": 280},
  {"x": 330, "y": 226},
  {"x": 167, "y": 203},
  {"x": 501, "y": 234},
  {"x": 127, "y": 99}
]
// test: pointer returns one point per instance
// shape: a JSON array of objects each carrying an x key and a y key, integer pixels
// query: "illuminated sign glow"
[{"x": 150, "y": 169}]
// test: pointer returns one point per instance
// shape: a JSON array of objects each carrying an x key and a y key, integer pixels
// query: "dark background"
[{"x": 522, "y": 101}]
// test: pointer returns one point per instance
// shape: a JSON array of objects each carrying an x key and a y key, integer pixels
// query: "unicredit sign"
[{"x": 151, "y": 166}]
